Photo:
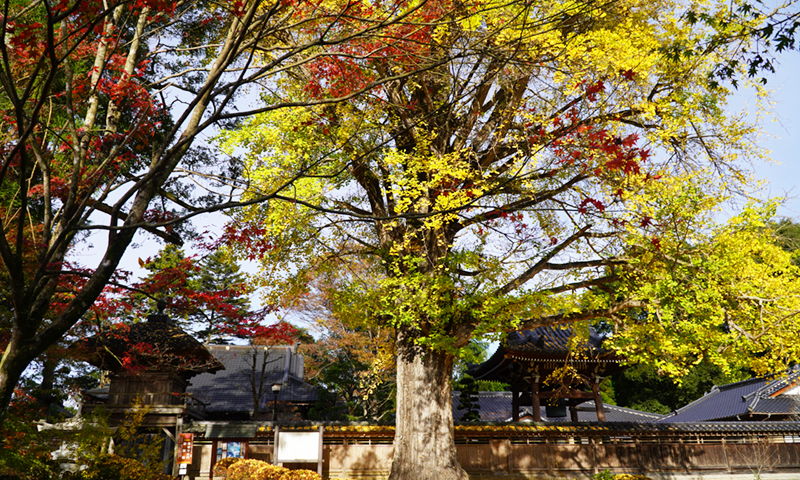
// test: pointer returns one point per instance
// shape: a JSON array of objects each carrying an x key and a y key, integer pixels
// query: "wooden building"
[
  {"x": 149, "y": 363},
  {"x": 157, "y": 365},
  {"x": 774, "y": 397},
  {"x": 550, "y": 366}
]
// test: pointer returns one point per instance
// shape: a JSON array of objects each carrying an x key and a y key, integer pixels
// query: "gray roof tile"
[
  {"x": 551, "y": 339},
  {"x": 496, "y": 407},
  {"x": 231, "y": 390},
  {"x": 747, "y": 397}
]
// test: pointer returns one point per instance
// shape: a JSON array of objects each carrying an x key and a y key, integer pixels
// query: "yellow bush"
[
  {"x": 255, "y": 470},
  {"x": 221, "y": 467},
  {"x": 301, "y": 475},
  {"x": 115, "y": 467}
]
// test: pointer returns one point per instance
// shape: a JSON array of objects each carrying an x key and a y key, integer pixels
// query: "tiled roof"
[
  {"x": 172, "y": 346},
  {"x": 231, "y": 390},
  {"x": 462, "y": 429},
  {"x": 496, "y": 407},
  {"x": 551, "y": 339},
  {"x": 753, "y": 396},
  {"x": 543, "y": 346}
]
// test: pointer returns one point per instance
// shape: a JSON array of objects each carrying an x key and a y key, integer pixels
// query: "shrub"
[
  {"x": 302, "y": 475},
  {"x": 114, "y": 467},
  {"x": 606, "y": 475},
  {"x": 255, "y": 470},
  {"x": 221, "y": 467},
  {"x": 260, "y": 470}
]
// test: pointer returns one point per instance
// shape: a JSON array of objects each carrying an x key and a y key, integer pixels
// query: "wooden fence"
[{"x": 541, "y": 450}]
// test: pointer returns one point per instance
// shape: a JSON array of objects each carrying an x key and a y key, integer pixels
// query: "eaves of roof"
[{"x": 751, "y": 396}]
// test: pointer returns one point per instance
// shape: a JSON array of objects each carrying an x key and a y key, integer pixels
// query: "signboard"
[
  {"x": 185, "y": 447},
  {"x": 298, "y": 447}
]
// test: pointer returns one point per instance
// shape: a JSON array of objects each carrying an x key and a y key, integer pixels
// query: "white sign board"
[{"x": 299, "y": 447}]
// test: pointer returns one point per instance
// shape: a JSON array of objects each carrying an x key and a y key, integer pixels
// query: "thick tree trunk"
[
  {"x": 424, "y": 444},
  {"x": 14, "y": 361}
]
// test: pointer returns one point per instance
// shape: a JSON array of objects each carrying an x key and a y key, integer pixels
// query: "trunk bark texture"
[
  {"x": 15, "y": 359},
  {"x": 424, "y": 443}
]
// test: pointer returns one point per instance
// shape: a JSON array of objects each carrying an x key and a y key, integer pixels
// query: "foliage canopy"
[
  {"x": 550, "y": 163},
  {"x": 555, "y": 163},
  {"x": 102, "y": 102}
]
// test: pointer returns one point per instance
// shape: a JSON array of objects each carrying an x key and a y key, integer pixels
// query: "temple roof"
[
  {"x": 230, "y": 393},
  {"x": 775, "y": 394},
  {"x": 552, "y": 340},
  {"x": 545, "y": 348},
  {"x": 156, "y": 343}
]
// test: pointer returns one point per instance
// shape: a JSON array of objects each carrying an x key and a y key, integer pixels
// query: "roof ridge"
[
  {"x": 636, "y": 412},
  {"x": 714, "y": 390},
  {"x": 619, "y": 407},
  {"x": 782, "y": 380},
  {"x": 728, "y": 386},
  {"x": 252, "y": 347},
  {"x": 753, "y": 404}
]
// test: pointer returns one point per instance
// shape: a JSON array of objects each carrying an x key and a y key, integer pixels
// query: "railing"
[
  {"x": 190, "y": 401},
  {"x": 142, "y": 398}
]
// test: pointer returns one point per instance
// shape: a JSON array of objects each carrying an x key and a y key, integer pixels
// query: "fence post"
[
  {"x": 275, "y": 446},
  {"x": 639, "y": 455},
  {"x": 725, "y": 450},
  {"x": 500, "y": 452},
  {"x": 684, "y": 454}
]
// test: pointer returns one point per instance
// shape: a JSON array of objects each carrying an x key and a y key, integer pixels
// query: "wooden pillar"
[
  {"x": 514, "y": 405},
  {"x": 320, "y": 451},
  {"x": 177, "y": 446},
  {"x": 536, "y": 404},
  {"x": 573, "y": 413},
  {"x": 598, "y": 400}
]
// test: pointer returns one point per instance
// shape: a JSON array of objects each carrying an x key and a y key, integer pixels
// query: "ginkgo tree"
[
  {"x": 102, "y": 104},
  {"x": 550, "y": 163}
]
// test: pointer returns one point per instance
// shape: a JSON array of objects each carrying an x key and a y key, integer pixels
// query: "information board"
[{"x": 298, "y": 447}]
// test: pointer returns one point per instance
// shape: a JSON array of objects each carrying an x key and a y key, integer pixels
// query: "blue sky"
[{"x": 782, "y": 136}]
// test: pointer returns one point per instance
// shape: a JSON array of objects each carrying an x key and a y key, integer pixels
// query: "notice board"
[{"x": 299, "y": 447}]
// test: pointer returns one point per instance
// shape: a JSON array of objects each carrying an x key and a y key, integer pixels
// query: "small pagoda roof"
[
  {"x": 157, "y": 343},
  {"x": 552, "y": 340},
  {"x": 548, "y": 347}
]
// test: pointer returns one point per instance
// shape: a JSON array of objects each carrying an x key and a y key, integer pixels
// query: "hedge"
[{"x": 240, "y": 469}]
